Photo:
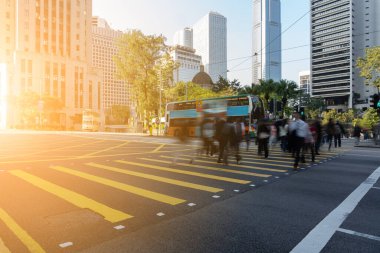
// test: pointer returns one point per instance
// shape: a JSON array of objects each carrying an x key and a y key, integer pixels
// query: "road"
[{"x": 94, "y": 192}]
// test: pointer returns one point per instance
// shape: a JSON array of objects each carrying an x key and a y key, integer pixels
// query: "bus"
[
  {"x": 90, "y": 120},
  {"x": 190, "y": 113}
]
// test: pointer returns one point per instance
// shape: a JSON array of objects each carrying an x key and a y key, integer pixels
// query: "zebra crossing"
[{"x": 124, "y": 194}]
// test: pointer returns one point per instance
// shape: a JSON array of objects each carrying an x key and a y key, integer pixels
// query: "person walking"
[
  {"x": 318, "y": 132},
  {"x": 263, "y": 134},
  {"x": 208, "y": 132},
  {"x": 299, "y": 129},
  {"x": 339, "y": 131},
  {"x": 330, "y": 130},
  {"x": 357, "y": 131}
]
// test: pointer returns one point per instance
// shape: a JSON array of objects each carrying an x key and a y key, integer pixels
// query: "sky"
[{"x": 168, "y": 16}]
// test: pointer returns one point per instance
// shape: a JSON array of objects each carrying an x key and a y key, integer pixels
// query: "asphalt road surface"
[{"x": 94, "y": 192}]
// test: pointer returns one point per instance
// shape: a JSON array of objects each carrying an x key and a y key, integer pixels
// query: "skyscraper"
[
  {"x": 104, "y": 48},
  {"x": 46, "y": 46},
  {"x": 210, "y": 42},
  {"x": 184, "y": 37},
  {"x": 266, "y": 40},
  {"x": 340, "y": 33},
  {"x": 189, "y": 63}
]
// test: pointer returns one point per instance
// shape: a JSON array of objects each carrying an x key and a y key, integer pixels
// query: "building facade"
[
  {"x": 304, "y": 81},
  {"x": 340, "y": 33},
  {"x": 104, "y": 48},
  {"x": 184, "y": 37},
  {"x": 47, "y": 49},
  {"x": 189, "y": 63},
  {"x": 210, "y": 42},
  {"x": 266, "y": 40}
]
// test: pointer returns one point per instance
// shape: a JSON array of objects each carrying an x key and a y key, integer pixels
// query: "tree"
[
  {"x": 194, "y": 91},
  {"x": 286, "y": 90},
  {"x": 370, "y": 118},
  {"x": 117, "y": 114},
  {"x": 370, "y": 66},
  {"x": 144, "y": 63},
  {"x": 265, "y": 90},
  {"x": 223, "y": 85}
]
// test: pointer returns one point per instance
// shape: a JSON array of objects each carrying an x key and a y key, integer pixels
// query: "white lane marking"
[
  {"x": 66, "y": 244},
  {"x": 236, "y": 190},
  {"x": 372, "y": 237},
  {"x": 376, "y": 188},
  {"x": 216, "y": 196},
  {"x": 276, "y": 177},
  {"x": 322, "y": 233},
  {"x": 191, "y": 204},
  {"x": 160, "y": 214},
  {"x": 266, "y": 181},
  {"x": 119, "y": 227}
]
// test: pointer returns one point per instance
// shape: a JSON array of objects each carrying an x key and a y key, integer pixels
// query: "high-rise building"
[
  {"x": 266, "y": 40},
  {"x": 210, "y": 42},
  {"x": 46, "y": 46},
  {"x": 340, "y": 33},
  {"x": 189, "y": 63},
  {"x": 304, "y": 81},
  {"x": 104, "y": 48},
  {"x": 184, "y": 37}
]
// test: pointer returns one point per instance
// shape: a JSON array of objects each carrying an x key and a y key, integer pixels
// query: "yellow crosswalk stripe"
[
  {"x": 191, "y": 173},
  {"x": 21, "y": 234},
  {"x": 158, "y": 148},
  {"x": 277, "y": 157},
  {"x": 275, "y": 152},
  {"x": 121, "y": 186},
  {"x": 235, "y": 165},
  {"x": 206, "y": 167},
  {"x": 74, "y": 198},
  {"x": 244, "y": 161},
  {"x": 157, "y": 178}
]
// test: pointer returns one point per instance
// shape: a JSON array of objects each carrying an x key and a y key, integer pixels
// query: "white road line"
[
  {"x": 372, "y": 237},
  {"x": 376, "y": 188},
  {"x": 322, "y": 233}
]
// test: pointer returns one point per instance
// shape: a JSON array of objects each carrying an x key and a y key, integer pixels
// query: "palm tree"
[
  {"x": 286, "y": 90},
  {"x": 266, "y": 90}
]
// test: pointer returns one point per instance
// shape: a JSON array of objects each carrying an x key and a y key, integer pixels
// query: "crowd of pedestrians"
[{"x": 302, "y": 139}]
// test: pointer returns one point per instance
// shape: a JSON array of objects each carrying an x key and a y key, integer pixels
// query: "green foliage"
[
  {"x": 31, "y": 106},
  {"x": 285, "y": 90},
  {"x": 266, "y": 90},
  {"x": 194, "y": 91},
  {"x": 343, "y": 117},
  {"x": 144, "y": 63},
  {"x": 117, "y": 115},
  {"x": 224, "y": 85},
  {"x": 370, "y": 66},
  {"x": 369, "y": 119}
]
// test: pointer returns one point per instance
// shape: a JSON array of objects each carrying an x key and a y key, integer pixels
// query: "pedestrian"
[
  {"x": 318, "y": 132},
  {"x": 339, "y": 131},
  {"x": 357, "y": 131},
  {"x": 283, "y": 134},
  {"x": 208, "y": 131},
  {"x": 273, "y": 135},
  {"x": 263, "y": 134},
  {"x": 330, "y": 130},
  {"x": 298, "y": 129}
]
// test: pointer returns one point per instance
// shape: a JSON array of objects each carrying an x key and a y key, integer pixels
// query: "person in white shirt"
[{"x": 299, "y": 131}]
